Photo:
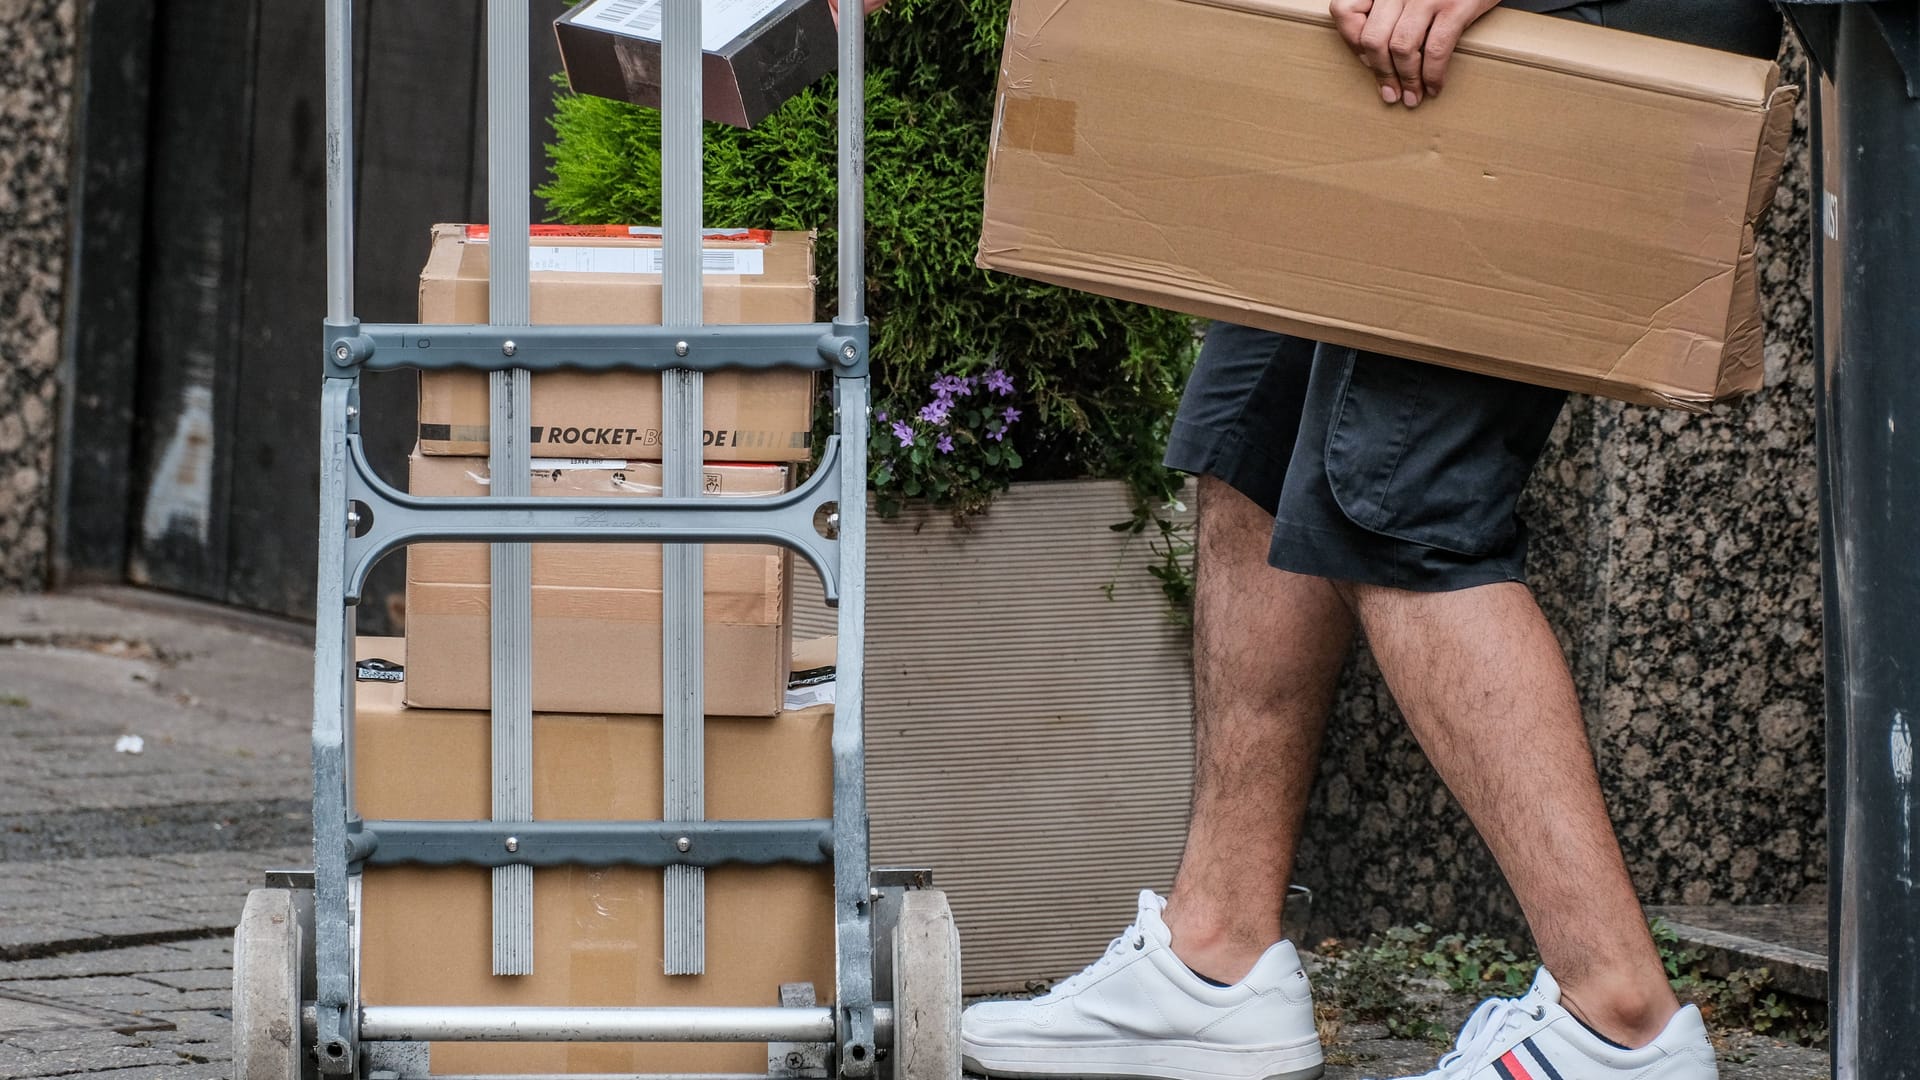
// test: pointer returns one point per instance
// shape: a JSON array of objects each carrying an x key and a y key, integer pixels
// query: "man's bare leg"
[
  {"x": 1485, "y": 688},
  {"x": 1268, "y": 649}
]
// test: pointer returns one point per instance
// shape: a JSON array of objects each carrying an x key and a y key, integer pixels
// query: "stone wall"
[
  {"x": 1678, "y": 558},
  {"x": 36, "y": 107}
]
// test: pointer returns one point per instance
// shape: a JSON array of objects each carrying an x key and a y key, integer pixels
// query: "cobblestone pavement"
[{"x": 122, "y": 873}]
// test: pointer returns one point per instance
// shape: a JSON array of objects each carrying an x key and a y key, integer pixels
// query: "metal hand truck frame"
[{"x": 297, "y": 1012}]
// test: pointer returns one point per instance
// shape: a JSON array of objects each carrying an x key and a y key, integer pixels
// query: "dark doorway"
[{"x": 199, "y": 280}]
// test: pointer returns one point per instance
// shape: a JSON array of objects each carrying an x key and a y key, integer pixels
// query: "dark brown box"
[{"x": 759, "y": 53}]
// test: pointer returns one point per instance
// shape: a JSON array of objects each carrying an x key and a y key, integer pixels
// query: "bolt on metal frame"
[{"x": 363, "y": 518}]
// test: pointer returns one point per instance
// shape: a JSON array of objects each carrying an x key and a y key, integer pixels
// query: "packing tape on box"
[{"x": 1040, "y": 124}]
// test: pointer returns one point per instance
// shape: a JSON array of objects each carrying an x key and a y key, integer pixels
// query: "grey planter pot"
[{"x": 1028, "y": 736}]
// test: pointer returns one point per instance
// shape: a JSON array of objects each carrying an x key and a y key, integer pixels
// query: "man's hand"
[
  {"x": 872, "y": 6},
  {"x": 1407, "y": 43}
]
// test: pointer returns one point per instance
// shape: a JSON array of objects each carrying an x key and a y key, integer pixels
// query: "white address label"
[
  {"x": 564, "y": 464},
  {"x": 720, "y": 20},
  {"x": 628, "y": 260}
]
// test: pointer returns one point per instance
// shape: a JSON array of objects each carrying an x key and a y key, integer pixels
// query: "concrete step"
[{"x": 1789, "y": 940}]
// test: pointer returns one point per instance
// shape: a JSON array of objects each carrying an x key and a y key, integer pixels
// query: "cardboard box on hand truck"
[
  {"x": 611, "y": 275},
  {"x": 596, "y": 607},
  {"x": 1577, "y": 209},
  {"x": 427, "y": 933},
  {"x": 758, "y": 53}
]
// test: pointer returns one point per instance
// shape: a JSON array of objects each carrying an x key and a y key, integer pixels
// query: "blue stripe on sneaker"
[
  {"x": 1541, "y": 1060},
  {"x": 1500, "y": 1066}
]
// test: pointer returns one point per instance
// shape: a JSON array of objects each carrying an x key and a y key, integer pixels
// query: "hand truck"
[{"x": 296, "y": 1009}]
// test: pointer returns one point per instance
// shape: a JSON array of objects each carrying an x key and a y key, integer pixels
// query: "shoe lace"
[
  {"x": 1481, "y": 1034},
  {"x": 1130, "y": 940}
]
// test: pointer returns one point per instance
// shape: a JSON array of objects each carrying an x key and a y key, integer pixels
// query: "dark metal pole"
[{"x": 1869, "y": 417}]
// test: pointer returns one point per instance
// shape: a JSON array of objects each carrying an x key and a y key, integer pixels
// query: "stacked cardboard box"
[
  {"x": 426, "y": 932},
  {"x": 597, "y": 640},
  {"x": 423, "y": 745}
]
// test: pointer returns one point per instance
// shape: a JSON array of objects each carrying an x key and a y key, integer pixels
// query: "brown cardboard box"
[
  {"x": 596, "y": 607},
  {"x": 426, "y": 934},
  {"x": 599, "y": 275},
  {"x": 1577, "y": 209},
  {"x": 759, "y": 53}
]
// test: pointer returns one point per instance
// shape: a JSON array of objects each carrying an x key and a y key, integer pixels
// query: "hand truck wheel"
[
  {"x": 926, "y": 989},
  {"x": 267, "y": 971}
]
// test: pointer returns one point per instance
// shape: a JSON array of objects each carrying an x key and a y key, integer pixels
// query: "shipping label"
[{"x": 721, "y": 21}]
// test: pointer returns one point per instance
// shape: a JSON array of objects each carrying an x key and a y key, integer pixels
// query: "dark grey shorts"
[{"x": 1386, "y": 471}]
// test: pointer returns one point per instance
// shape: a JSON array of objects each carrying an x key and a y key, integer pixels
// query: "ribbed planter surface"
[{"x": 1028, "y": 737}]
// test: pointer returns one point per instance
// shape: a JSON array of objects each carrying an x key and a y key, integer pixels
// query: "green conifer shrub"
[{"x": 1093, "y": 381}]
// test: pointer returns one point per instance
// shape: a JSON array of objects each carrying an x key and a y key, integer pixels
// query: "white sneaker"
[
  {"x": 1139, "y": 1012},
  {"x": 1533, "y": 1038}
]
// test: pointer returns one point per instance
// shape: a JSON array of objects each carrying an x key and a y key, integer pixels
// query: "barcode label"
[
  {"x": 721, "y": 21},
  {"x": 636, "y": 18},
  {"x": 751, "y": 262}
]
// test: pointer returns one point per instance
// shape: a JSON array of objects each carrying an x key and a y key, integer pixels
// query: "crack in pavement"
[{"x": 40, "y": 950}]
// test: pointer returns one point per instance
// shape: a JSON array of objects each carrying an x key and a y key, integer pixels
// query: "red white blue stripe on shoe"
[{"x": 1511, "y": 1067}]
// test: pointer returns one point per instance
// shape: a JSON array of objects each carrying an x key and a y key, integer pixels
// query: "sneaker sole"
[{"x": 1145, "y": 1061}]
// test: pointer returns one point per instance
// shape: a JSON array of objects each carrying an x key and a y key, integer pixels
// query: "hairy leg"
[
  {"x": 1268, "y": 649},
  {"x": 1486, "y": 690}
]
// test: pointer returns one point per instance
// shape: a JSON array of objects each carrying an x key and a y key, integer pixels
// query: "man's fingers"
[
  {"x": 1441, "y": 41},
  {"x": 1406, "y": 49},
  {"x": 1376, "y": 42},
  {"x": 1350, "y": 18}
]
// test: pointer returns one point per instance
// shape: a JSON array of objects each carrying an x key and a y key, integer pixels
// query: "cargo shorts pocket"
[{"x": 1434, "y": 456}]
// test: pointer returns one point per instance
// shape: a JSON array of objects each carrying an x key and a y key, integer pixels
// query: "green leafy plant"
[
  {"x": 1170, "y": 540},
  {"x": 1390, "y": 979},
  {"x": 1094, "y": 381},
  {"x": 1745, "y": 998},
  {"x": 1478, "y": 965},
  {"x": 1378, "y": 983}
]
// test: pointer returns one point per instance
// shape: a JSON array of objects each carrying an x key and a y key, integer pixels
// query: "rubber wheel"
[
  {"x": 267, "y": 948},
  {"x": 926, "y": 989}
]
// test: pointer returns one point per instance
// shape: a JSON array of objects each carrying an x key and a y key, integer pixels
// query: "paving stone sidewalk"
[{"x": 122, "y": 874}]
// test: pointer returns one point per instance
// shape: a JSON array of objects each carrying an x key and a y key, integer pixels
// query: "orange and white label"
[
  {"x": 747, "y": 262},
  {"x": 480, "y": 234}
]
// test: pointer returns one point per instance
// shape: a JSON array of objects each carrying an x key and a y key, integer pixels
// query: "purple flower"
[
  {"x": 881, "y": 416},
  {"x": 945, "y": 444},
  {"x": 902, "y": 432},
  {"x": 997, "y": 432},
  {"x": 1010, "y": 415},
  {"x": 936, "y": 411},
  {"x": 999, "y": 382},
  {"x": 952, "y": 386}
]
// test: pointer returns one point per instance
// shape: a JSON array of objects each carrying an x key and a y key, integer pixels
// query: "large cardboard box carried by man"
[{"x": 1577, "y": 209}]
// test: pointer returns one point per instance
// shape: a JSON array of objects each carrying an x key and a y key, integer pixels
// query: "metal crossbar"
[
  {"x": 506, "y": 1023},
  {"x": 594, "y": 843},
  {"x": 384, "y": 518},
  {"x": 392, "y": 346}
]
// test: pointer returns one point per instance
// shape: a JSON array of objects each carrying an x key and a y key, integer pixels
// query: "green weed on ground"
[{"x": 1400, "y": 978}]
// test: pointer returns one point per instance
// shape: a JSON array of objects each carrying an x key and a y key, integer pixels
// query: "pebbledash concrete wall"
[
  {"x": 1678, "y": 559},
  {"x": 36, "y": 107}
]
